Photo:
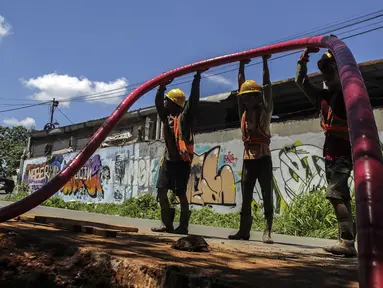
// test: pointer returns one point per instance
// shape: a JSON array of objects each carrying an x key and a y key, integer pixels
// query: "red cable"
[{"x": 367, "y": 157}]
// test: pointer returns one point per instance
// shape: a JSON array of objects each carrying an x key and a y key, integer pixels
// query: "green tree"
[{"x": 12, "y": 144}]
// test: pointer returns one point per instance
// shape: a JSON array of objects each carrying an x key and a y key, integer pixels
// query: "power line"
[
  {"x": 25, "y": 107},
  {"x": 306, "y": 33},
  {"x": 112, "y": 92},
  {"x": 112, "y": 95},
  {"x": 364, "y": 32},
  {"x": 315, "y": 30},
  {"x": 14, "y": 104},
  {"x": 17, "y": 99},
  {"x": 358, "y": 28},
  {"x": 227, "y": 71},
  {"x": 64, "y": 115}
]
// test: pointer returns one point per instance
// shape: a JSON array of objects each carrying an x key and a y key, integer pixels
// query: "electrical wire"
[
  {"x": 358, "y": 28},
  {"x": 314, "y": 31},
  {"x": 25, "y": 107},
  {"x": 111, "y": 93},
  {"x": 364, "y": 32},
  {"x": 108, "y": 95},
  {"x": 64, "y": 115},
  {"x": 14, "y": 104},
  {"x": 306, "y": 33}
]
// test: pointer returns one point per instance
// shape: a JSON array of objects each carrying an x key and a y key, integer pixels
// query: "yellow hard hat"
[
  {"x": 327, "y": 58},
  {"x": 249, "y": 86},
  {"x": 177, "y": 96}
]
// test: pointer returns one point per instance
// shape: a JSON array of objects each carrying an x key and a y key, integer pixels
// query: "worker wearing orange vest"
[
  {"x": 337, "y": 149},
  {"x": 177, "y": 118},
  {"x": 255, "y": 109}
]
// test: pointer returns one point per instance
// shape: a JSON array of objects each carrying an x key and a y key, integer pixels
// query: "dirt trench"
[{"x": 43, "y": 256}]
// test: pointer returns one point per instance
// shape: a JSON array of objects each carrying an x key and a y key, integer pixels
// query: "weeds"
[{"x": 309, "y": 215}]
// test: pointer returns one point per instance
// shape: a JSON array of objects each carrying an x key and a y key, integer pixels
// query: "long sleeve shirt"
[
  {"x": 187, "y": 115},
  {"x": 334, "y": 147}
]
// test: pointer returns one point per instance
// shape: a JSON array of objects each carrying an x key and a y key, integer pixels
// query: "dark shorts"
[
  {"x": 174, "y": 176},
  {"x": 337, "y": 173}
]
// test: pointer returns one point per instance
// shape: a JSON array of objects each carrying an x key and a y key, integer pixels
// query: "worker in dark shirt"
[
  {"x": 174, "y": 172},
  {"x": 337, "y": 149},
  {"x": 255, "y": 109}
]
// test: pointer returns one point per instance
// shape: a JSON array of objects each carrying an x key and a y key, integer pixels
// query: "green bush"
[{"x": 309, "y": 215}]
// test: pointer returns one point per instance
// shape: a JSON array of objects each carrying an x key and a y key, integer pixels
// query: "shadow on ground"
[{"x": 35, "y": 256}]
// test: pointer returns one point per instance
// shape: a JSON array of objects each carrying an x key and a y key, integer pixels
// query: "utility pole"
[{"x": 53, "y": 107}]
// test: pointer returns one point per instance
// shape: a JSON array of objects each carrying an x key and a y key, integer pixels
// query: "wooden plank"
[
  {"x": 87, "y": 229},
  {"x": 105, "y": 232},
  {"x": 45, "y": 220},
  {"x": 71, "y": 225}
]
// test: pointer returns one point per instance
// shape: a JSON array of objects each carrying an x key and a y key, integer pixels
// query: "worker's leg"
[
  {"x": 167, "y": 213},
  {"x": 338, "y": 193},
  {"x": 183, "y": 228},
  {"x": 181, "y": 179},
  {"x": 249, "y": 177},
  {"x": 266, "y": 182}
]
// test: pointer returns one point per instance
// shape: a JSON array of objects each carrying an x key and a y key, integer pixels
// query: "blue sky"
[{"x": 72, "y": 48}]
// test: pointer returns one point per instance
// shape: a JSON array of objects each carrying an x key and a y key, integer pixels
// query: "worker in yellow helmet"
[
  {"x": 177, "y": 117},
  {"x": 255, "y": 109},
  {"x": 329, "y": 103}
]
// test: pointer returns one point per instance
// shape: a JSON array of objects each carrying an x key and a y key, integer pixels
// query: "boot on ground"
[
  {"x": 343, "y": 248},
  {"x": 167, "y": 217},
  {"x": 183, "y": 228},
  {"x": 244, "y": 228},
  {"x": 266, "y": 237}
]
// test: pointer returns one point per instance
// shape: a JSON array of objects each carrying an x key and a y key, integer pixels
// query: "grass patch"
[{"x": 310, "y": 215}]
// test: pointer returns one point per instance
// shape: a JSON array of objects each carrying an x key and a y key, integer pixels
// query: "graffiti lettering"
[
  {"x": 40, "y": 174},
  {"x": 88, "y": 179},
  {"x": 209, "y": 184},
  {"x": 230, "y": 158},
  {"x": 115, "y": 174}
]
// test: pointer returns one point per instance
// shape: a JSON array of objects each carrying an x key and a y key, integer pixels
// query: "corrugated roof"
[{"x": 216, "y": 98}]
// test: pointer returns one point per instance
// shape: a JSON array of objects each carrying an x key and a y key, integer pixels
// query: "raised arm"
[
  {"x": 192, "y": 103},
  {"x": 303, "y": 81},
  {"x": 241, "y": 80},
  {"x": 267, "y": 90},
  {"x": 159, "y": 101}
]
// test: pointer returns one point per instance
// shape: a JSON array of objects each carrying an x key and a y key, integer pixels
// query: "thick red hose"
[{"x": 368, "y": 162}]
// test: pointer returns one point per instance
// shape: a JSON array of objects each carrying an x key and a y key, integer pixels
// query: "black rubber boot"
[
  {"x": 266, "y": 238},
  {"x": 244, "y": 228},
  {"x": 183, "y": 228},
  {"x": 167, "y": 217}
]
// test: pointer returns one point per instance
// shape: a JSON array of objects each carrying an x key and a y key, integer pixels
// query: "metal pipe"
[{"x": 367, "y": 157}]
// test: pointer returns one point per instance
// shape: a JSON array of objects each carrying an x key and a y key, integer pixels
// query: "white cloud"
[
  {"x": 218, "y": 79},
  {"x": 27, "y": 122},
  {"x": 5, "y": 28},
  {"x": 65, "y": 87}
]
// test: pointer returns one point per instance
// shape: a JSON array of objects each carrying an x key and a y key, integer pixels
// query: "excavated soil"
[{"x": 42, "y": 256}]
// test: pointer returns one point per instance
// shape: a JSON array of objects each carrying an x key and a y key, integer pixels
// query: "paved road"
[{"x": 144, "y": 224}]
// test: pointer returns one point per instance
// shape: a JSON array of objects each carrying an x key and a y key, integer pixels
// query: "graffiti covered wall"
[{"x": 115, "y": 174}]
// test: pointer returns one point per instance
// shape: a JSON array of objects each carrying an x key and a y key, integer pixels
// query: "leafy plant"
[{"x": 309, "y": 215}]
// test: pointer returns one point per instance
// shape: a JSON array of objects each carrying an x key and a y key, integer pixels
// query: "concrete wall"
[{"x": 117, "y": 173}]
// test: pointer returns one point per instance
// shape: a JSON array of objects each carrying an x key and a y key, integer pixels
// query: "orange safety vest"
[
  {"x": 257, "y": 137},
  {"x": 332, "y": 124},
  {"x": 185, "y": 147}
]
